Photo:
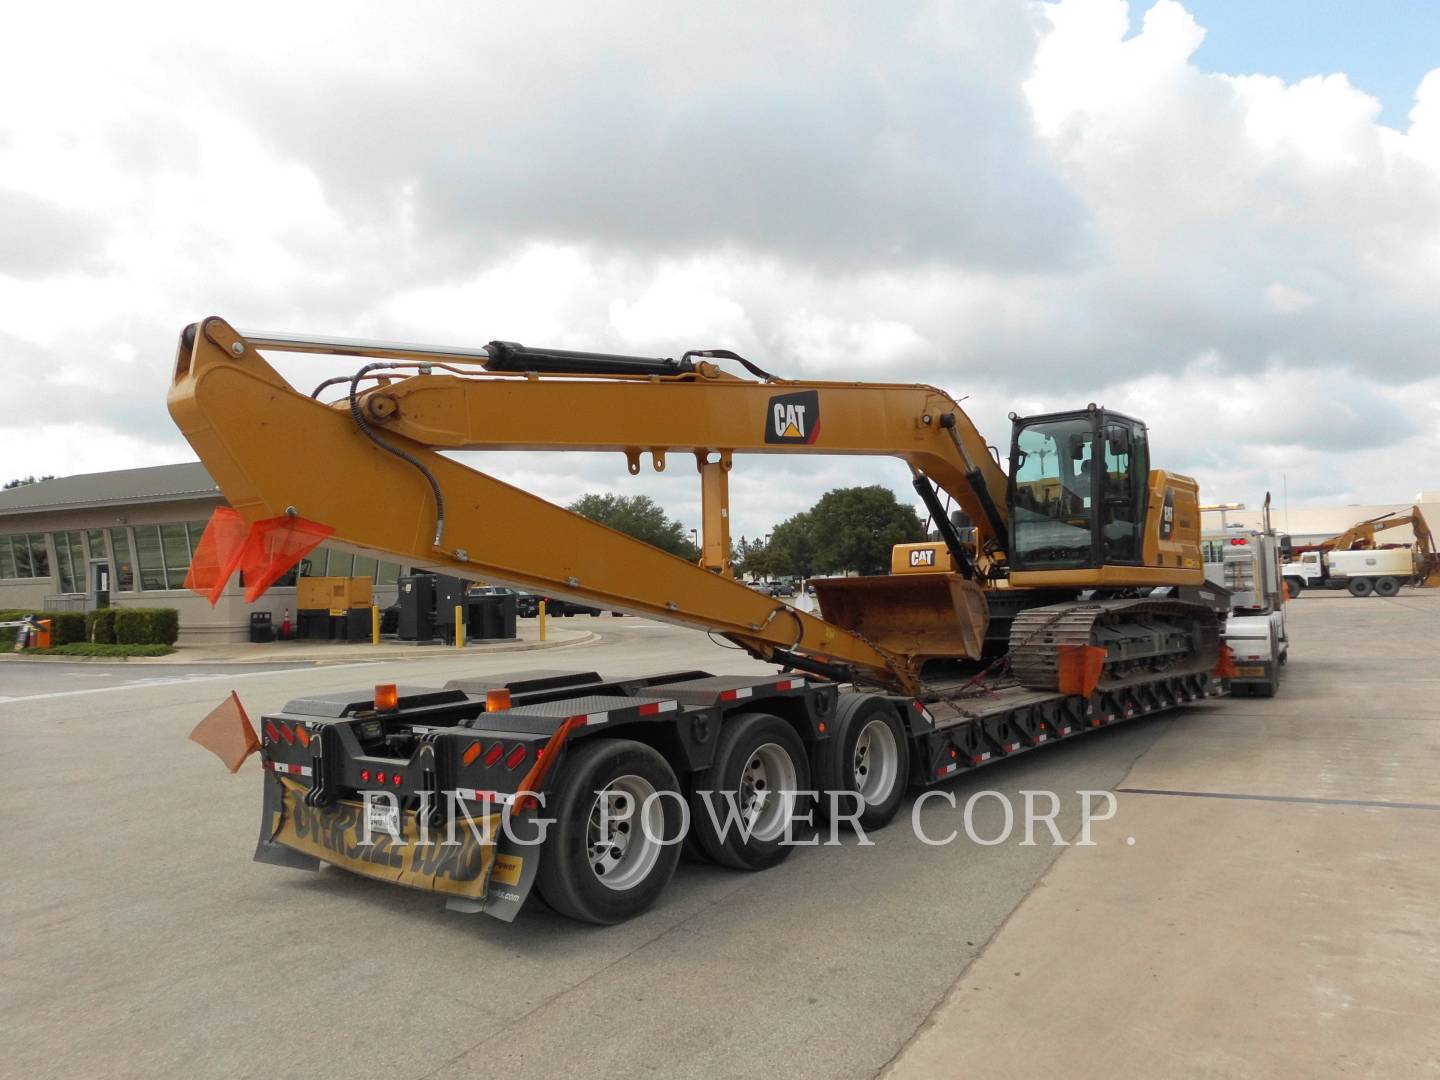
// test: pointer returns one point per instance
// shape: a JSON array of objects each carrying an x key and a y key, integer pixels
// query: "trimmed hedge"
[
  {"x": 104, "y": 626},
  {"x": 66, "y": 627},
  {"x": 84, "y": 648},
  {"x": 100, "y": 626},
  {"x": 146, "y": 626}
]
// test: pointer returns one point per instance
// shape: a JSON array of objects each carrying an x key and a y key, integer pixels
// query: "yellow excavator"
[
  {"x": 1080, "y": 599},
  {"x": 1361, "y": 537},
  {"x": 1081, "y": 509}
]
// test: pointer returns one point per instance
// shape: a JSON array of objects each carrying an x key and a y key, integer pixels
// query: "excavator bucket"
[{"x": 918, "y": 616}]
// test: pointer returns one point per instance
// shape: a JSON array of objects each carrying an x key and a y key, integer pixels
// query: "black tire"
[
  {"x": 1296, "y": 586},
  {"x": 844, "y": 764},
  {"x": 567, "y": 879},
  {"x": 1387, "y": 586},
  {"x": 1361, "y": 586},
  {"x": 723, "y": 790},
  {"x": 1265, "y": 689}
]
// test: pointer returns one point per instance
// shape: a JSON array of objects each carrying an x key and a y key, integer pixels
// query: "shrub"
[
  {"x": 146, "y": 626},
  {"x": 85, "y": 648},
  {"x": 65, "y": 626},
  {"x": 100, "y": 626}
]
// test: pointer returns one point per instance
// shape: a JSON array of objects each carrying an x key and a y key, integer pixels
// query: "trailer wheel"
[
  {"x": 867, "y": 754},
  {"x": 1361, "y": 586},
  {"x": 616, "y": 837},
  {"x": 754, "y": 789},
  {"x": 1387, "y": 586}
]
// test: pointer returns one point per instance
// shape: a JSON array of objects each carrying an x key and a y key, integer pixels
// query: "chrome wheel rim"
[
  {"x": 767, "y": 791},
  {"x": 624, "y": 832},
  {"x": 876, "y": 762}
]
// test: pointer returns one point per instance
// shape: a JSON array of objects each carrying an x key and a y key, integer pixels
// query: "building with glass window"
[{"x": 125, "y": 539}]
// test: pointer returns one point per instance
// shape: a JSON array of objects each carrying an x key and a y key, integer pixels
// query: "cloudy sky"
[{"x": 1224, "y": 221}]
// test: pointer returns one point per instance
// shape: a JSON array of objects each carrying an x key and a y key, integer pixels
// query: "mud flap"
[
  {"x": 266, "y": 849},
  {"x": 511, "y": 879},
  {"x": 425, "y": 860}
]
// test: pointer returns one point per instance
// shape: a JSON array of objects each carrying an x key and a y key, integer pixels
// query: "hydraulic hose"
[{"x": 358, "y": 415}]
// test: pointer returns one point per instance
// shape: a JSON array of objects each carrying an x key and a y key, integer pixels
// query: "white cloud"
[{"x": 1027, "y": 205}]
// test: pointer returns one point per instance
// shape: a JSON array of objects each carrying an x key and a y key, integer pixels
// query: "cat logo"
[
  {"x": 922, "y": 557},
  {"x": 793, "y": 418},
  {"x": 1167, "y": 515}
]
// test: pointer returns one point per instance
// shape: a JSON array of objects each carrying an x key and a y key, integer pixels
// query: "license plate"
[
  {"x": 383, "y": 818},
  {"x": 1250, "y": 671}
]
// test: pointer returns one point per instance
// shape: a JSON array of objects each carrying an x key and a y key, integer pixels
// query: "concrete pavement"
[
  {"x": 141, "y": 941},
  {"x": 1276, "y": 913},
  {"x": 1234, "y": 937}
]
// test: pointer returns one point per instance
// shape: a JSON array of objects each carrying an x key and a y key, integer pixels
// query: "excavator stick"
[{"x": 918, "y": 616}]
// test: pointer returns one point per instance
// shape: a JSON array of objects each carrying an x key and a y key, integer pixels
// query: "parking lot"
[{"x": 142, "y": 941}]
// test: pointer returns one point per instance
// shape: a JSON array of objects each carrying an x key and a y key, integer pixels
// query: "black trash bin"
[{"x": 261, "y": 627}]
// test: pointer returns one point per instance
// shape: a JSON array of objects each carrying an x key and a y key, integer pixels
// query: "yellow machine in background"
[{"x": 1080, "y": 510}]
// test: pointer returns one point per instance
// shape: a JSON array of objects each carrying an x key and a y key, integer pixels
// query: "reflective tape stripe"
[
  {"x": 500, "y": 798},
  {"x": 292, "y": 770},
  {"x": 736, "y": 694}
]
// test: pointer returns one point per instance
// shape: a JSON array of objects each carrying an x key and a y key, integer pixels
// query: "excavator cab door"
[{"x": 1077, "y": 490}]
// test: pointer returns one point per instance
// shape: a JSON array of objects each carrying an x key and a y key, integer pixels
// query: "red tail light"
[
  {"x": 271, "y": 733},
  {"x": 495, "y": 753},
  {"x": 287, "y": 734},
  {"x": 380, "y": 778},
  {"x": 516, "y": 756},
  {"x": 364, "y": 776},
  {"x": 395, "y": 779}
]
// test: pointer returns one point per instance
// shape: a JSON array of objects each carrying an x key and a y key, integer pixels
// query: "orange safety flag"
[
  {"x": 273, "y": 547},
  {"x": 227, "y": 733},
  {"x": 1225, "y": 666},
  {"x": 1080, "y": 669},
  {"x": 217, "y": 555}
]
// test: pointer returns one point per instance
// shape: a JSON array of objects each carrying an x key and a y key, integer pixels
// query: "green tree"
[
  {"x": 849, "y": 529},
  {"x": 757, "y": 558},
  {"x": 639, "y": 516},
  {"x": 855, "y": 528},
  {"x": 792, "y": 547}
]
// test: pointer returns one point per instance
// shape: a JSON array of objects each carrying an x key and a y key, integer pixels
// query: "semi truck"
[
  {"x": 1080, "y": 602},
  {"x": 1246, "y": 563}
]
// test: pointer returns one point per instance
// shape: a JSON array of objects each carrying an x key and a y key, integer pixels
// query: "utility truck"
[
  {"x": 1080, "y": 603},
  {"x": 1354, "y": 560}
]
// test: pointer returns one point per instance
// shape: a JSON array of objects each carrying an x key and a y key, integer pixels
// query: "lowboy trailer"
[{"x": 446, "y": 772}]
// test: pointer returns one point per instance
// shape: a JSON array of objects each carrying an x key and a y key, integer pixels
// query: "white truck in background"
[{"x": 1380, "y": 571}]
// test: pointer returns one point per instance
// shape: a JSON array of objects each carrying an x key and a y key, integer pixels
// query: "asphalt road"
[{"x": 141, "y": 941}]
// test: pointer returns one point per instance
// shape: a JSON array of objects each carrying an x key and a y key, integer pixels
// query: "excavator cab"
[{"x": 1078, "y": 491}]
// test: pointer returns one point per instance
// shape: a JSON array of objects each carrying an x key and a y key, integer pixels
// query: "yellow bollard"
[
  {"x": 541, "y": 614},
  {"x": 459, "y": 627},
  {"x": 374, "y": 624}
]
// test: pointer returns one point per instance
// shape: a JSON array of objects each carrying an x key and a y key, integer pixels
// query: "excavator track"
[{"x": 1142, "y": 638}]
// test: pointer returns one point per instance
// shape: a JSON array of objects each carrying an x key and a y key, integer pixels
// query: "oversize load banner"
[{"x": 333, "y": 834}]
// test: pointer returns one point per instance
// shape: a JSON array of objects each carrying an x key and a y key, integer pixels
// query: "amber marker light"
[{"x": 387, "y": 697}]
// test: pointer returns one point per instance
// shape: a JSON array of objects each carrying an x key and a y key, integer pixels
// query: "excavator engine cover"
[{"x": 916, "y": 616}]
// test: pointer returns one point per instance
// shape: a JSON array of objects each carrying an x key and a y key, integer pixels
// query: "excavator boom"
[{"x": 370, "y": 466}]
